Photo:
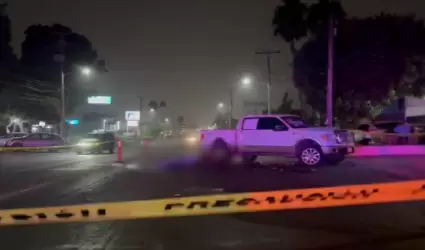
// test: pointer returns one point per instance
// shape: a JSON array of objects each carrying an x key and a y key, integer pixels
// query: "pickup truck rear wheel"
[
  {"x": 249, "y": 159},
  {"x": 219, "y": 153},
  {"x": 310, "y": 155}
]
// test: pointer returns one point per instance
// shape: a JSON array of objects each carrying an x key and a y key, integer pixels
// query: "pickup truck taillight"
[{"x": 201, "y": 137}]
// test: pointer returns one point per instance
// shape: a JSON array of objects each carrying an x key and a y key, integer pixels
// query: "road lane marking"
[
  {"x": 55, "y": 166},
  {"x": 22, "y": 191}
]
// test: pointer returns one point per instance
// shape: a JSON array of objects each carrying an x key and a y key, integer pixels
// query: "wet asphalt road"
[{"x": 167, "y": 169}]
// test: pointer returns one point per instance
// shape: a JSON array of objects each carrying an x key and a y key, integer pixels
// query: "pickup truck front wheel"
[{"x": 310, "y": 155}]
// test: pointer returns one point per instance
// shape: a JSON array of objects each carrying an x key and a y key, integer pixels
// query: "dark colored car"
[{"x": 97, "y": 143}]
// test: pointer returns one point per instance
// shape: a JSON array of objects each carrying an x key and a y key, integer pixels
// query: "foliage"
[
  {"x": 286, "y": 107},
  {"x": 7, "y": 56},
  {"x": 289, "y": 21},
  {"x": 40, "y": 60},
  {"x": 221, "y": 121},
  {"x": 377, "y": 59},
  {"x": 8, "y": 59},
  {"x": 293, "y": 20}
]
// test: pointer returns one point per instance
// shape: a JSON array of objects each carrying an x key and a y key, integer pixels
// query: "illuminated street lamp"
[
  {"x": 167, "y": 120},
  {"x": 86, "y": 71},
  {"x": 246, "y": 81},
  {"x": 152, "y": 110},
  {"x": 220, "y": 105}
]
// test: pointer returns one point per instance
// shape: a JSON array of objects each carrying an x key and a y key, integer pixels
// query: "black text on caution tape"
[
  {"x": 272, "y": 200},
  {"x": 60, "y": 215}
]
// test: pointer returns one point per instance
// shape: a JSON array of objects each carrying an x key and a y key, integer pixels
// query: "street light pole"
[
  {"x": 330, "y": 83},
  {"x": 269, "y": 84},
  {"x": 268, "y": 54},
  {"x": 140, "y": 110},
  {"x": 62, "y": 120},
  {"x": 230, "y": 107},
  {"x": 60, "y": 58}
]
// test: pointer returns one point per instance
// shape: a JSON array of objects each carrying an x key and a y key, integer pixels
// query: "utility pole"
[
  {"x": 140, "y": 104},
  {"x": 60, "y": 58},
  {"x": 330, "y": 83},
  {"x": 268, "y": 54},
  {"x": 230, "y": 108},
  {"x": 140, "y": 110}
]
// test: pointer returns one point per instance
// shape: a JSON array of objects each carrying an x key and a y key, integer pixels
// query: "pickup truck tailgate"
[{"x": 209, "y": 136}]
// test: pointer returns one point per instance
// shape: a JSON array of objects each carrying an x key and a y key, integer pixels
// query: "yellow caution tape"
[
  {"x": 221, "y": 204},
  {"x": 12, "y": 149}
]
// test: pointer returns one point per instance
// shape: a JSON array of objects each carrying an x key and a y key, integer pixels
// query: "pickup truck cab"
[{"x": 280, "y": 135}]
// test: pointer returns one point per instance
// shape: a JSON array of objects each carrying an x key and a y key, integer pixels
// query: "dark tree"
[
  {"x": 42, "y": 50},
  {"x": 289, "y": 22},
  {"x": 8, "y": 60},
  {"x": 294, "y": 20},
  {"x": 319, "y": 14},
  {"x": 377, "y": 58},
  {"x": 221, "y": 121},
  {"x": 10, "y": 85},
  {"x": 7, "y": 56}
]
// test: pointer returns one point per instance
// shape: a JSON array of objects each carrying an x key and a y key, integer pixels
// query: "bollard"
[{"x": 119, "y": 151}]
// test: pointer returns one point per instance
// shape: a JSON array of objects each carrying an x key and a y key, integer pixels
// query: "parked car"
[
  {"x": 97, "y": 143},
  {"x": 280, "y": 135},
  {"x": 36, "y": 140},
  {"x": 5, "y": 138}
]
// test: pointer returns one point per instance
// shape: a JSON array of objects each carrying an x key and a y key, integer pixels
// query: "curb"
[{"x": 396, "y": 150}]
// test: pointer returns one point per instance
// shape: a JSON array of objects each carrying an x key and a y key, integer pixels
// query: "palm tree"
[
  {"x": 153, "y": 105},
  {"x": 162, "y": 104}
]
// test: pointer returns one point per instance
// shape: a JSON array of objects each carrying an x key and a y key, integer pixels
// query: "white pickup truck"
[{"x": 280, "y": 135}]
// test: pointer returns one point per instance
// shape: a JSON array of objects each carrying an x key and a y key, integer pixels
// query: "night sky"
[{"x": 186, "y": 52}]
